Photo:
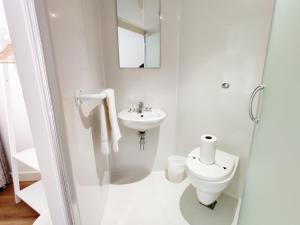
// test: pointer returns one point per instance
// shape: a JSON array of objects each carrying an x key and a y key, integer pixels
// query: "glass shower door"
[{"x": 272, "y": 191}]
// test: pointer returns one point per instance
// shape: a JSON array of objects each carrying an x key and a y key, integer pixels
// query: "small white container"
[{"x": 176, "y": 168}]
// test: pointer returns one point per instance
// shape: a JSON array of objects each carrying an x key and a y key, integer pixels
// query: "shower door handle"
[{"x": 256, "y": 90}]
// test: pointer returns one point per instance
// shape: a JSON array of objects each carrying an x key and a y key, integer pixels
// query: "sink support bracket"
[{"x": 142, "y": 135}]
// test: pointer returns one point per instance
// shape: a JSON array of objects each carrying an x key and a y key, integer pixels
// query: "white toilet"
[{"x": 210, "y": 180}]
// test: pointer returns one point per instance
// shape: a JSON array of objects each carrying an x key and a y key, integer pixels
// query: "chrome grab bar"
[{"x": 256, "y": 90}]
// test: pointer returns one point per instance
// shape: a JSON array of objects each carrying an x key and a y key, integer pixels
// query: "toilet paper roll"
[{"x": 208, "y": 149}]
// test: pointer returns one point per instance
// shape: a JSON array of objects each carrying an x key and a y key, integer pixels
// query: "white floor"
[{"x": 156, "y": 201}]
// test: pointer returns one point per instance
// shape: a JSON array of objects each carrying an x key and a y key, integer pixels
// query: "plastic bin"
[{"x": 176, "y": 168}]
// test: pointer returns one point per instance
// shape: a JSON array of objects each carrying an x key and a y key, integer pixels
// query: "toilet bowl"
[{"x": 210, "y": 180}]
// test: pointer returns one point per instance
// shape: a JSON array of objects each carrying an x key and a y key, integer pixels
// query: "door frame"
[{"x": 37, "y": 73}]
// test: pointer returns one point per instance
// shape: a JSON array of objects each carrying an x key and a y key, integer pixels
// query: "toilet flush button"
[{"x": 225, "y": 85}]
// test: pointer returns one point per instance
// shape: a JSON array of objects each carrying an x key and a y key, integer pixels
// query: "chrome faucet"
[{"x": 140, "y": 108}]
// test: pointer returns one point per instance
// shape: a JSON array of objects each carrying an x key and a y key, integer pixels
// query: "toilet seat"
[{"x": 219, "y": 171}]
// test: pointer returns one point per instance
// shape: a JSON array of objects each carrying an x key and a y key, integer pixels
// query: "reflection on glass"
[{"x": 139, "y": 33}]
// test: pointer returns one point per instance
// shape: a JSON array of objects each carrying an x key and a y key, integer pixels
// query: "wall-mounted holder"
[{"x": 80, "y": 96}]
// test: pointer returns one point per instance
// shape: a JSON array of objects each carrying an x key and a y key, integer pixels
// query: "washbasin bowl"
[{"x": 142, "y": 121}]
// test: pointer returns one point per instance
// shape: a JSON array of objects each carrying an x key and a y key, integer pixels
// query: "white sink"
[{"x": 142, "y": 121}]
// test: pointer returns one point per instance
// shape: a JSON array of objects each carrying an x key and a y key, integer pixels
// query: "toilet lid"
[{"x": 220, "y": 170}]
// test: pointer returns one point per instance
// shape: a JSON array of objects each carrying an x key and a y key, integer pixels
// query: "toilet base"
[
  {"x": 207, "y": 198},
  {"x": 211, "y": 206}
]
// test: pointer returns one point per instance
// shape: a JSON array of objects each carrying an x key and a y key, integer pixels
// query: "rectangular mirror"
[{"x": 139, "y": 33}]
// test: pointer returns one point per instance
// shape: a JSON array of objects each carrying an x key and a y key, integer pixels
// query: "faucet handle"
[
  {"x": 140, "y": 104},
  {"x": 146, "y": 108},
  {"x": 132, "y": 108}
]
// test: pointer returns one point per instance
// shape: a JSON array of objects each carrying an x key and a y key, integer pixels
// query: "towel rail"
[{"x": 80, "y": 96}]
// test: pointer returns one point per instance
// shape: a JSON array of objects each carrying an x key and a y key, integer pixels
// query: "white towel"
[
  {"x": 113, "y": 119},
  {"x": 104, "y": 129}
]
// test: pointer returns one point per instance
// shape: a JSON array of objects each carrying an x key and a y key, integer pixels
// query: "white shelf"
[
  {"x": 34, "y": 196},
  {"x": 28, "y": 157}
]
